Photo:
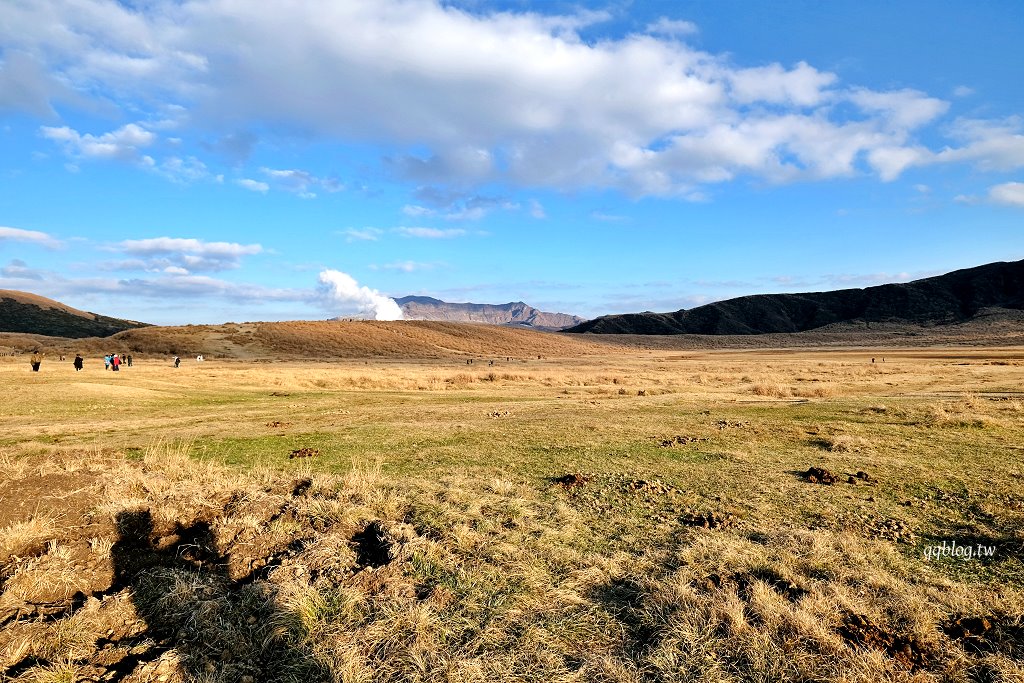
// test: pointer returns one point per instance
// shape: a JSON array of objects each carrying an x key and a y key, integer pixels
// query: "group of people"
[{"x": 113, "y": 361}]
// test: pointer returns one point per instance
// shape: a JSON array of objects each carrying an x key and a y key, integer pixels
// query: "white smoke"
[{"x": 341, "y": 288}]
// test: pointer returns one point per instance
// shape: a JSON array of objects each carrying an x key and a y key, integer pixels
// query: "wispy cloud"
[
  {"x": 362, "y": 234},
  {"x": 430, "y": 233},
  {"x": 253, "y": 185},
  {"x": 18, "y": 235},
  {"x": 181, "y": 256}
]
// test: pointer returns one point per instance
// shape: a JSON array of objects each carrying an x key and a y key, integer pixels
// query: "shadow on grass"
[{"x": 220, "y": 628}]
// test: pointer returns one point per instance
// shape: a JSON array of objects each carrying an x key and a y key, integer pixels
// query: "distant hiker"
[
  {"x": 36, "y": 360},
  {"x": 115, "y": 363},
  {"x": 199, "y": 358},
  {"x": 872, "y": 360},
  {"x": 79, "y": 363},
  {"x": 177, "y": 361},
  {"x": 106, "y": 361},
  {"x": 128, "y": 360},
  {"x": 62, "y": 357}
]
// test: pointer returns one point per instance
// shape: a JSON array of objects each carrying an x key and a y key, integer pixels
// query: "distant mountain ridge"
[
  {"x": 34, "y": 314},
  {"x": 944, "y": 299},
  {"x": 514, "y": 313}
]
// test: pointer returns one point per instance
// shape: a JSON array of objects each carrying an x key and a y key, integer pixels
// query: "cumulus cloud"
[
  {"x": 180, "y": 256},
  {"x": 1008, "y": 194},
  {"x": 342, "y": 293},
  {"x": 123, "y": 144},
  {"x": 470, "y": 98},
  {"x": 18, "y": 235}
]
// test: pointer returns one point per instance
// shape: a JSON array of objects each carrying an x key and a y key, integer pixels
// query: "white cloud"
[
  {"x": 19, "y": 235},
  {"x": 466, "y": 97},
  {"x": 430, "y": 233},
  {"x": 962, "y": 91},
  {"x": 672, "y": 27},
  {"x": 904, "y": 109},
  {"x": 341, "y": 293},
  {"x": 253, "y": 185},
  {"x": 122, "y": 144},
  {"x": 802, "y": 86},
  {"x": 1009, "y": 194},
  {"x": 180, "y": 256}
]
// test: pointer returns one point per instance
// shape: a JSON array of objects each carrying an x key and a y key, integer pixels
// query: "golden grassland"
[{"x": 608, "y": 515}]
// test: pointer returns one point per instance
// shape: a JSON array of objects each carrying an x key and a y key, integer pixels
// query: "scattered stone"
[
  {"x": 864, "y": 476},
  {"x": 279, "y": 393},
  {"x": 820, "y": 475},
  {"x": 278, "y": 424},
  {"x": 731, "y": 424},
  {"x": 641, "y": 392},
  {"x": 499, "y": 413},
  {"x": 304, "y": 453}
]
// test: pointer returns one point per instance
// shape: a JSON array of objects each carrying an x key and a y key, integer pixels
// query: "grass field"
[{"x": 617, "y": 516}]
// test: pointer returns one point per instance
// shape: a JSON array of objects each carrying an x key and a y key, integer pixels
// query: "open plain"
[{"x": 611, "y": 515}]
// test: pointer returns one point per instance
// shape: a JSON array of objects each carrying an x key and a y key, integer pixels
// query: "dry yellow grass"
[{"x": 168, "y": 533}]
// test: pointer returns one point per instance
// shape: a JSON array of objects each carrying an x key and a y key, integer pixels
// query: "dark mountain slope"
[
  {"x": 34, "y": 314},
  {"x": 944, "y": 299}
]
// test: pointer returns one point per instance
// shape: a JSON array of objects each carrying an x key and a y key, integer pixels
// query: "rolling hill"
[
  {"x": 517, "y": 313},
  {"x": 957, "y": 297},
  {"x": 34, "y": 314}
]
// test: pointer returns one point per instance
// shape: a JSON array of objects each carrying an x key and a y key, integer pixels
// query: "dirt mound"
[
  {"x": 820, "y": 475},
  {"x": 711, "y": 520},
  {"x": 304, "y": 452},
  {"x": 858, "y": 630},
  {"x": 572, "y": 481},
  {"x": 984, "y": 635},
  {"x": 653, "y": 486}
]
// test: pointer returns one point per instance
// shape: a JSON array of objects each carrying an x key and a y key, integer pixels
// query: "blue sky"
[{"x": 216, "y": 160}]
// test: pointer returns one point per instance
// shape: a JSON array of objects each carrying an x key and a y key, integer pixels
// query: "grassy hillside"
[
  {"x": 951, "y": 298},
  {"x": 33, "y": 314}
]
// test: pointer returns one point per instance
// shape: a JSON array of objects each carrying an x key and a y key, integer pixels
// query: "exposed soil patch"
[
  {"x": 857, "y": 630},
  {"x": 499, "y": 413},
  {"x": 732, "y": 424},
  {"x": 572, "y": 481},
  {"x": 304, "y": 452},
  {"x": 820, "y": 475},
  {"x": 372, "y": 546},
  {"x": 711, "y": 520},
  {"x": 678, "y": 440},
  {"x": 278, "y": 424},
  {"x": 984, "y": 635}
]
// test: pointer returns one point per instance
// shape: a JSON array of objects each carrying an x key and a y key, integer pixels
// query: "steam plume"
[{"x": 341, "y": 288}]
